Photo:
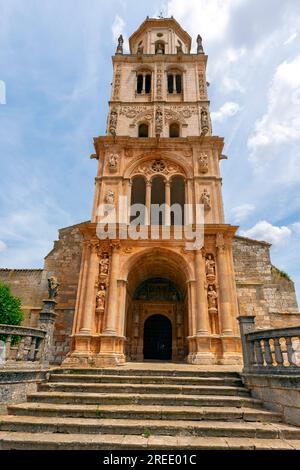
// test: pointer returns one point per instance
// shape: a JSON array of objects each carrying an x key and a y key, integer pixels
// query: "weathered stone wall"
[
  {"x": 261, "y": 288},
  {"x": 28, "y": 284},
  {"x": 279, "y": 393}
]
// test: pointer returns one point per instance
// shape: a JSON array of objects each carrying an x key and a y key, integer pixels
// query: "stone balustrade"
[
  {"x": 269, "y": 351},
  {"x": 21, "y": 344}
]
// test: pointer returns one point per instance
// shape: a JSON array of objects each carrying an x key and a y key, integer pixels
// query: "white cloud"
[
  {"x": 296, "y": 227},
  {"x": 2, "y": 246},
  {"x": 264, "y": 231},
  {"x": 210, "y": 19},
  {"x": 240, "y": 213},
  {"x": 290, "y": 39},
  {"x": 232, "y": 84},
  {"x": 228, "y": 110},
  {"x": 233, "y": 55},
  {"x": 281, "y": 122}
]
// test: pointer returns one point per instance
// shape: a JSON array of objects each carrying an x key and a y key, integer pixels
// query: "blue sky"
[{"x": 55, "y": 62}]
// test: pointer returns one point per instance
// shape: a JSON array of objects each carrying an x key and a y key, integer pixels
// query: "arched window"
[
  {"x": 174, "y": 130},
  {"x": 157, "y": 197},
  {"x": 143, "y": 130},
  {"x": 159, "y": 47},
  {"x": 174, "y": 82},
  {"x": 143, "y": 83},
  {"x": 138, "y": 195},
  {"x": 178, "y": 197}
]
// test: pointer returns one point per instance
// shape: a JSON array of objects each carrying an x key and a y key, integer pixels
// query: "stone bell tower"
[{"x": 152, "y": 298}]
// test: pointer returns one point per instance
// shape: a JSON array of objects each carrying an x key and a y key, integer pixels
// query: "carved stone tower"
[{"x": 153, "y": 298}]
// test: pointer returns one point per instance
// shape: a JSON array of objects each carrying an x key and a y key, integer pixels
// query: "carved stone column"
[
  {"x": 90, "y": 296},
  {"x": 148, "y": 203},
  {"x": 224, "y": 287},
  {"x": 111, "y": 315},
  {"x": 167, "y": 202},
  {"x": 46, "y": 322},
  {"x": 202, "y": 319}
]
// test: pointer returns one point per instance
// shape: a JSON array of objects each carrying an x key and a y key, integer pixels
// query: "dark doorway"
[{"x": 158, "y": 338}]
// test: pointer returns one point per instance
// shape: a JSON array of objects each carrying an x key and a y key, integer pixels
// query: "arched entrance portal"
[
  {"x": 157, "y": 307},
  {"x": 158, "y": 338}
]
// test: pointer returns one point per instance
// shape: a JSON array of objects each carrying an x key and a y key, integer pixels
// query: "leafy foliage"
[{"x": 10, "y": 308}]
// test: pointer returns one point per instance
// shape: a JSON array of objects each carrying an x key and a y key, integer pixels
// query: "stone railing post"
[
  {"x": 46, "y": 323},
  {"x": 247, "y": 324}
]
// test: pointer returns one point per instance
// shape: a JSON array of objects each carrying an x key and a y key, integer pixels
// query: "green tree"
[{"x": 10, "y": 308}]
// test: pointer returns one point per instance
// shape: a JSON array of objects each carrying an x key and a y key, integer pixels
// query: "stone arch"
[{"x": 173, "y": 159}]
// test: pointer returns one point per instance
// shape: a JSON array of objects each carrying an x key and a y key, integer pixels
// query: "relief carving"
[
  {"x": 203, "y": 162},
  {"x": 204, "y": 121},
  {"x": 132, "y": 111},
  {"x": 109, "y": 197},
  {"x": 210, "y": 268},
  {"x": 205, "y": 200},
  {"x": 113, "y": 160},
  {"x": 159, "y": 166},
  {"x": 158, "y": 121},
  {"x": 159, "y": 80},
  {"x": 113, "y": 121},
  {"x": 117, "y": 82}
]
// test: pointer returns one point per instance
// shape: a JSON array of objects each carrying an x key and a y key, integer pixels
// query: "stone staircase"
[{"x": 146, "y": 408}]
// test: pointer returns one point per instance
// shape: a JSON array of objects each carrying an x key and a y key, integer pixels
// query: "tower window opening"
[
  {"x": 143, "y": 83},
  {"x": 139, "y": 87},
  {"x": 174, "y": 130},
  {"x": 174, "y": 83},
  {"x": 143, "y": 130},
  {"x": 148, "y": 84}
]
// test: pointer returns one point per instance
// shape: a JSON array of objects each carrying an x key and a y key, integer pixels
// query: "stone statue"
[
  {"x": 159, "y": 49},
  {"x": 52, "y": 287},
  {"x": 120, "y": 45},
  {"x": 140, "y": 49},
  {"x": 158, "y": 121},
  {"x": 104, "y": 262},
  {"x": 210, "y": 266},
  {"x": 100, "y": 297},
  {"x": 203, "y": 162},
  {"x": 109, "y": 197},
  {"x": 113, "y": 121},
  {"x": 212, "y": 298},
  {"x": 204, "y": 121},
  {"x": 199, "y": 45},
  {"x": 205, "y": 199},
  {"x": 113, "y": 161}
]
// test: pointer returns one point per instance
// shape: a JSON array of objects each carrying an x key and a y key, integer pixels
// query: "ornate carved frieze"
[
  {"x": 132, "y": 111},
  {"x": 159, "y": 82},
  {"x": 203, "y": 162},
  {"x": 202, "y": 86},
  {"x": 158, "y": 121},
  {"x": 180, "y": 112},
  {"x": 158, "y": 166},
  {"x": 204, "y": 121}
]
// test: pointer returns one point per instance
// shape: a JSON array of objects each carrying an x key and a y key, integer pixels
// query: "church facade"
[{"x": 128, "y": 298}]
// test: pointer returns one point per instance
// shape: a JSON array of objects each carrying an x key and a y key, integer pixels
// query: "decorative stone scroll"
[
  {"x": 158, "y": 121},
  {"x": 113, "y": 120},
  {"x": 132, "y": 111},
  {"x": 117, "y": 83},
  {"x": 205, "y": 200},
  {"x": 203, "y": 162}
]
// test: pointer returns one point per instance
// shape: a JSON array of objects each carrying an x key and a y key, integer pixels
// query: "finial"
[
  {"x": 199, "y": 45},
  {"x": 120, "y": 45}
]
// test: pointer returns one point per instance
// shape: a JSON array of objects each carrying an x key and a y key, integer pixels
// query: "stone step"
[
  {"x": 146, "y": 379},
  {"x": 142, "y": 389},
  {"x": 148, "y": 427},
  {"x": 142, "y": 412},
  {"x": 46, "y": 441},
  {"x": 142, "y": 399},
  {"x": 184, "y": 372}
]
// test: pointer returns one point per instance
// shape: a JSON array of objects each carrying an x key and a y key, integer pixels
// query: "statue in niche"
[
  {"x": 203, "y": 162},
  {"x": 104, "y": 263},
  {"x": 199, "y": 45},
  {"x": 158, "y": 121},
  {"x": 204, "y": 121},
  {"x": 113, "y": 121},
  {"x": 205, "y": 199},
  {"x": 53, "y": 286},
  {"x": 120, "y": 45},
  {"x": 100, "y": 297},
  {"x": 109, "y": 197},
  {"x": 159, "y": 49},
  {"x": 210, "y": 266},
  {"x": 140, "y": 49},
  {"x": 113, "y": 162},
  {"x": 212, "y": 298}
]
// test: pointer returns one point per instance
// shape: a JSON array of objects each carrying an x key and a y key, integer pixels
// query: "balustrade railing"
[
  {"x": 274, "y": 350},
  {"x": 19, "y": 344}
]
